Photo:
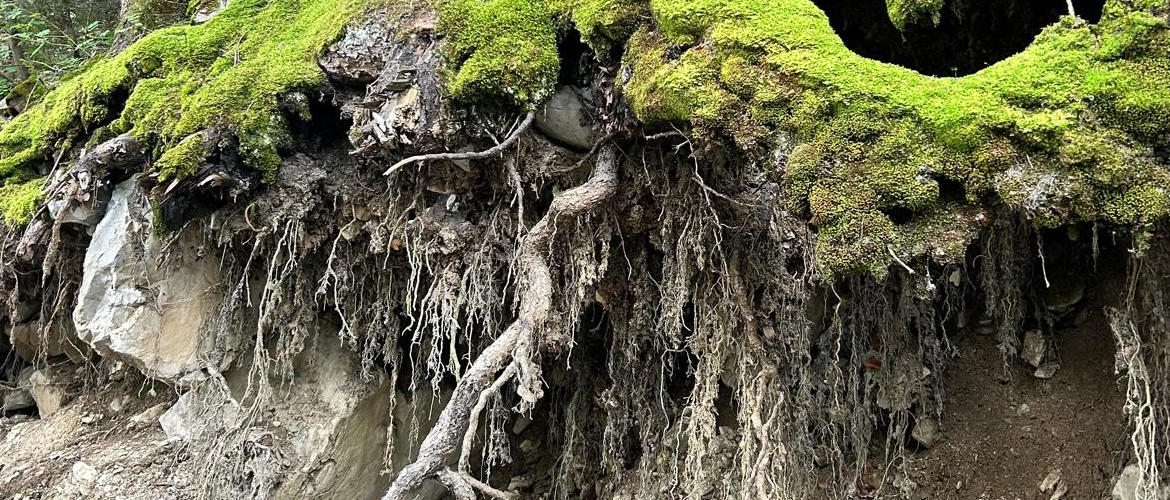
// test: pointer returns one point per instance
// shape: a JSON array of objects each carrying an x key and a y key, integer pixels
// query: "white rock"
[
  {"x": 1046, "y": 371},
  {"x": 565, "y": 119},
  {"x": 83, "y": 475},
  {"x": 47, "y": 391},
  {"x": 1034, "y": 348},
  {"x": 926, "y": 432},
  {"x": 17, "y": 399},
  {"x": 85, "y": 214},
  {"x": 129, "y": 308}
]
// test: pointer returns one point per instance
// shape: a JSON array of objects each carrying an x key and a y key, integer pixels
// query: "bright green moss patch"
[
  {"x": 1065, "y": 130},
  {"x": 500, "y": 49},
  {"x": 183, "y": 160},
  {"x": 18, "y": 201},
  {"x": 907, "y": 12},
  {"x": 226, "y": 73}
]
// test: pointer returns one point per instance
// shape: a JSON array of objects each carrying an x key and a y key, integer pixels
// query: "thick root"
[{"x": 517, "y": 341}]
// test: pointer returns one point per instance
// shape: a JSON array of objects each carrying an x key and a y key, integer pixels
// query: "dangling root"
[
  {"x": 517, "y": 341},
  {"x": 512, "y": 138}
]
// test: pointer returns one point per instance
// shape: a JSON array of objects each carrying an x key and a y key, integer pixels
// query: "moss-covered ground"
[
  {"x": 885, "y": 162},
  {"x": 228, "y": 73}
]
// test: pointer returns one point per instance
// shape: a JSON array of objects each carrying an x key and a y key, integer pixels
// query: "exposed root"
[
  {"x": 479, "y": 155},
  {"x": 534, "y": 292}
]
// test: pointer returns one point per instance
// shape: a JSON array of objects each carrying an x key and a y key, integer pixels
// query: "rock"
[
  {"x": 17, "y": 399},
  {"x": 1054, "y": 484},
  {"x": 189, "y": 417},
  {"x": 48, "y": 390},
  {"x": 1126, "y": 486},
  {"x": 131, "y": 308},
  {"x": 83, "y": 475},
  {"x": 332, "y": 422},
  {"x": 402, "y": 107},
  {"x": 1063, "y": 295},
  {"x": 147, "y": 417},
  {"x": 60, "y": 339},
  {"x": 208, "y": 10},
  {"x": 1034, "y": 348},
  {"x": 926, "y": 432},
  {"x": 1046, "y": 371},
  {"x": 84, "y": 214},
  {"x": 565, "y": 119}
]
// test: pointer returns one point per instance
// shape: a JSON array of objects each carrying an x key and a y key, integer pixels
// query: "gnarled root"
[{"x": 517, "y": 341}]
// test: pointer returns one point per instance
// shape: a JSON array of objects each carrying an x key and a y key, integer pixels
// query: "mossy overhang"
[{"x": 227, "y": 73}]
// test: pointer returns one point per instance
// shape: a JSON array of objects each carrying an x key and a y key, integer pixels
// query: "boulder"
[
  {"x": 32, "y": 343},
  {"x": 1127, "y": 483},
  {"x": 926, "y": 432},
  {"x": 47, "y": 387},
  {"x": 1034, "y": 348},
  {"x": 566, "y": 119},
  {"x": 132, "y": 307},
  {"x": 84, "y": 214},
  {"x": 16, "y": 399},
  {"x": 332, "y": 423}
]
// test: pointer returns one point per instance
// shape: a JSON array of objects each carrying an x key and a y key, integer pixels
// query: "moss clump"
[
  {"x": 183, "y": 160},
  {"x": 1065, "y": 130},
  {"x": 18, "y": 201},
  {"x": 907, "y": 12},
  {"x": 500, "y": 49},
  {"x": 227, "y": 73},
  {"x": 602, "y": 22}
]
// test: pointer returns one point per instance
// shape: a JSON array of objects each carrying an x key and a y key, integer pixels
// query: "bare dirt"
[{"x": 1006, "y": 431}]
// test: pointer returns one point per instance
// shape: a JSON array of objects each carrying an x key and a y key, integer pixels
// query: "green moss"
[
  {"x": 500, "y": 49},
  {"x": 603, "y": 22},
  {"x": 183, "y": 160},
  {"x": 1064, "y": 129},
  {"x": 907, "y": 12},
  {"x": 228, "y": 73},
  {"x": 18, "y": 201}
]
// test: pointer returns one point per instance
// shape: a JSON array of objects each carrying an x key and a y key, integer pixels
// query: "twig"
[
  {"x": 896, "y": 259},
  {"x": 469, "y": 155}
]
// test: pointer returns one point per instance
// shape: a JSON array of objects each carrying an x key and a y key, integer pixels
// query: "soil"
[{"x": 1006, "y": 431}]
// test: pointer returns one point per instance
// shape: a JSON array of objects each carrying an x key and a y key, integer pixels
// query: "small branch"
[
  {"x": 899, "y": 261},
  {"x": 471, "y": 155}
]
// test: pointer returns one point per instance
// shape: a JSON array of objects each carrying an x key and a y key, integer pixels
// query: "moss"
[
  {"x": 228, "y": 73},
  {"x": 18, "y": 201},
  {"x": 907, "y": 12},
  {"x": 602, "y": 22},
  {"x": 183, "y": 160},
  {"x": 500, "y": 49},
  {"x": 1064, "y": 129}
]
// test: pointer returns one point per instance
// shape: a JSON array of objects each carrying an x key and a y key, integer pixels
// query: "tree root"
[
  {"x": 488, "y": 153},
  {"x": 534, "y": 290}
]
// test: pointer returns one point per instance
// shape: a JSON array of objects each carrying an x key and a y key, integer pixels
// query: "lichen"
[
  {"x": 1085, "y": 104},
  {"x": 227, "y": 73}
]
